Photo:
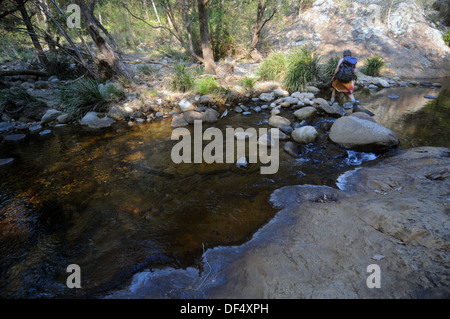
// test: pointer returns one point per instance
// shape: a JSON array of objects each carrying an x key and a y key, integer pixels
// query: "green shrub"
[
  {"x": 303, "y": 67},
  {"x": 273, "y": 68},
  {"x": 206, "y": 85},
  {"x": 87, "y": 95},
  {"x": 373, "y": 65},
  {"x": 446, "y": 38},
  {"x": 180, "y": 79}
]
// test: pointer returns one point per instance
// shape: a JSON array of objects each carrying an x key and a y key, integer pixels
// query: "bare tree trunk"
[
  {"x": 77, "y": 52},
  {"x": 110, "y": 55},
  {"x": 208, "y": 56},
  {"x": 99, "y": 24},
  {"x": 34, "y": 38},
  {"x": 259, "y": 24},
  {"x": 78, "y": 33},
  {"x": 47, "y": 37},
  {"x": 187, "y": 23},
  {"x": 156, "y": 12}
]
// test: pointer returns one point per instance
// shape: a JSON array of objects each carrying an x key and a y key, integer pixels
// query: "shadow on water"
[{"x": 113, "y": 202}]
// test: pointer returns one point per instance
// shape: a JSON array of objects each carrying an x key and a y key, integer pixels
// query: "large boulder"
[
  {"x": 93, "y": 120},
  {"x": 362, "y": 135}
]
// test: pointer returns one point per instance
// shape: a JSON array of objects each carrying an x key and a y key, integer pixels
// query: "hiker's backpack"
[{"x": 347, "y": 71}]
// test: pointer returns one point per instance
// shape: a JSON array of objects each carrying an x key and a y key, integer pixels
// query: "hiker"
[{"x": 344, "y": 76}]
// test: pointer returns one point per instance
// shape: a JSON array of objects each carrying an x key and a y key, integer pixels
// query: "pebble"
[
  {"x": 35, "y": 128},
  {"x": 45, "y": 132},
  {"x": 393, "y": 97}
]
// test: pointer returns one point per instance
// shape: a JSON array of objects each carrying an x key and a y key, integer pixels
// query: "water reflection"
[{"x": 417, "y": 120}]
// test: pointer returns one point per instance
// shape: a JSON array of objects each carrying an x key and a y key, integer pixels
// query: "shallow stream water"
[{"x": 114, "y": 203}]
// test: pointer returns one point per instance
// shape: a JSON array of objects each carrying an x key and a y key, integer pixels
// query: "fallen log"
[{"x": 23, "y": 72}]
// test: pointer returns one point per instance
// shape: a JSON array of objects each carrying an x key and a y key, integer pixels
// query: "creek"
[{"x": 113, "y": 202}]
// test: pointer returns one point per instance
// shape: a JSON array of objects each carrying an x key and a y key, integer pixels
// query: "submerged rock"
[
  {"x": 13, "y": 138},
  {"x": 292, "y": 148},
  {"x": 6, "y": 126},
  {"x": 179, "y": 121}
]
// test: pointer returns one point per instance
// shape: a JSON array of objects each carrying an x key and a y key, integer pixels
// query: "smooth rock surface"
[{"x": 362, "y": 135}]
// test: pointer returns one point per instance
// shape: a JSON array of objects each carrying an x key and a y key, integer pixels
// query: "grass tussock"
[
  {"x": 273, "y": 68},
  {"x": 373, "y": 65},
  {"x": 180, "y": 79},
  {"x": 206, "y": 85},
  {"x": 303, "y": 67},
  {"x": 15, "y": 99},
  {"x": 87, "y": 95}
]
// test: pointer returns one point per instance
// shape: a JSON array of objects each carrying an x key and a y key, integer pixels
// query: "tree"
[
  {"x": 172, "y": 25},
  {"x": 111, "y": 57},
  {"x": 260, "y": 23},
  {"x": 208, "y": 56},
  {"x": 30, "y": 29}
]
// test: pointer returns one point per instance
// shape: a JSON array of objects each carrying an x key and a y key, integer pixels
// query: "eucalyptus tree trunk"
[{"x": 208, "y": 56}]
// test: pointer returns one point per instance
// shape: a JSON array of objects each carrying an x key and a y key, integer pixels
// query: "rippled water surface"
[{"x": 113, "y": 202}]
